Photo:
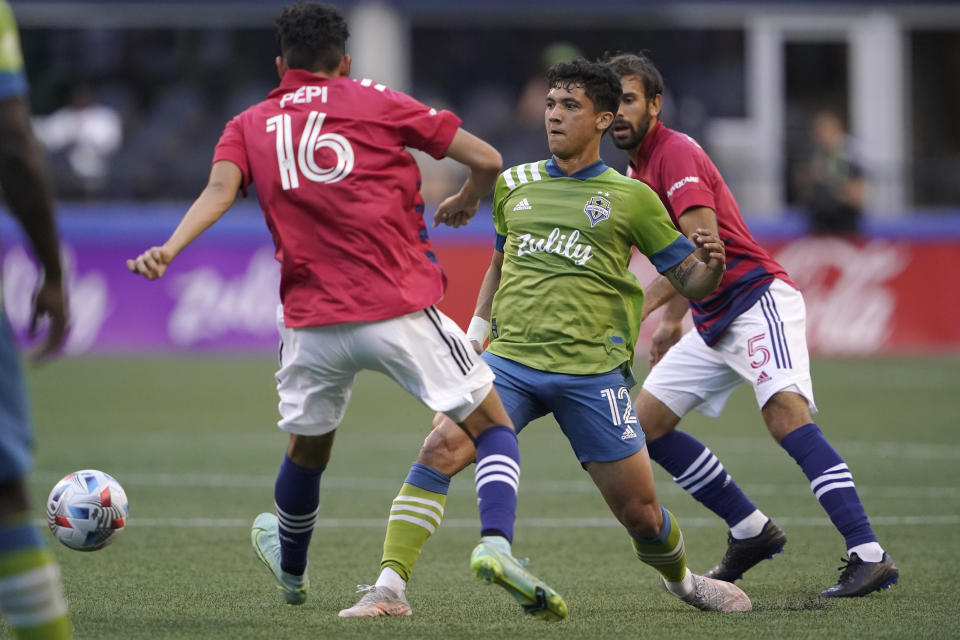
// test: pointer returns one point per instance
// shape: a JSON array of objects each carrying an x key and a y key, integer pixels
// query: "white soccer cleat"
[
  {"x": 378, "y": 601},
  {"x": 714, "y": 595}
]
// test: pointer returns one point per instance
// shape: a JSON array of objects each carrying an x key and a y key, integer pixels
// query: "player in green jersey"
[
  {"x": 31, "y": 595},
  {"x": 563, "y": 312}
]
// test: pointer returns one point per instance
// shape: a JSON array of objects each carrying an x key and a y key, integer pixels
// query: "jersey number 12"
[
  {"x": 623, "y": 394},
  {"x": 311, "y": 141}
]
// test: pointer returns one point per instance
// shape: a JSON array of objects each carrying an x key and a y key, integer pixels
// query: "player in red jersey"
[
  {"x": 340, "y": 195},
  {"x": 752, "y": 328}
]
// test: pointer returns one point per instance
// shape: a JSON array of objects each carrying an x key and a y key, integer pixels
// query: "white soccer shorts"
[
  {"x": 425, "y": 352},
  {"x": 765, "y": 346}
]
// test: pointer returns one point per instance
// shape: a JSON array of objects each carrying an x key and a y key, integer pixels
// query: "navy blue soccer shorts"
[
  {"x": 16, "y": 436},
  {"x": 595, "y": 411}
]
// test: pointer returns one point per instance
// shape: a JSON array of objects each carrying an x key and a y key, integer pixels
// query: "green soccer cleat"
[
  {"x": 266, "y": 543},
  {"x": 492, "y": 562}
]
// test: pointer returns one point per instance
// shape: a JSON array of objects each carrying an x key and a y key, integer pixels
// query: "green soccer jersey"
[
  {"x": 567, "y": 302},
  {"x": 12, "y": 81}
]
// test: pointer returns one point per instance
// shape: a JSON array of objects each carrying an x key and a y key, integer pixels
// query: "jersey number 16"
[{"x": 311, "y": 141}]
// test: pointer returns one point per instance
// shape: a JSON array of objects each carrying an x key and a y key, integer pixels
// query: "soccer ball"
[{"x": 87, "y": 509}]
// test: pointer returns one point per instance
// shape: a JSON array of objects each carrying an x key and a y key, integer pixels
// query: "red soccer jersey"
[
  {"x": 341, "y": 195},
  {"x": 679, "y": 170}
]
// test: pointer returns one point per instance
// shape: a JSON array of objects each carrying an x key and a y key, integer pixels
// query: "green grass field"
[{"x": 193, "y": 443}]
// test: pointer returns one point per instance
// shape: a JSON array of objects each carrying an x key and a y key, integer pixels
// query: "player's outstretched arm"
[
  {"x": 479, "y": 328},
  {"x": 213, "y": 202},
  {"x": 693, "y": 278},
  {"x": 670, "y": 329},
  {"x": 23, "y": 178},
  {"x": 484, "y": 163}
]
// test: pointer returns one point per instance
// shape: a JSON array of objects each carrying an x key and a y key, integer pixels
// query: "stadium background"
[
  {"x": 742, "y": 78},
  {"x": 168, "y": 385}
]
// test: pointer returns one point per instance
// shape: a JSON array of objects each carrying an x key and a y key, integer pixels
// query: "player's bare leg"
[
  {"x": 752, "y": 537},
  {"x": 867, "y": 567},
  {"x": 656, "y": 418},
  {"x": 447, "y": 448},
  {"x": 784, "y": 413},
  {"x": 628, "y": 488}
]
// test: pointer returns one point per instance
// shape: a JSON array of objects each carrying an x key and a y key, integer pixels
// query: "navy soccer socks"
[
  {"x": 695, "y": 468},
  {"x": 832, "y": 484},
  {"x": 297, "y": 497},
  {"x": 497, "y": 478}
]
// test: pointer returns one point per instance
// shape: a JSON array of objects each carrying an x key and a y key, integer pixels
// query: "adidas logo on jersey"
[
  {"x": 763, "y": 377},
  {"x": 628, "y": 433},
  {"x": 523, "y": 205}
]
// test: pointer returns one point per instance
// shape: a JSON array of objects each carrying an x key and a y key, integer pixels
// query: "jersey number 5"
[
  {"x": 311, "y": 141},
  {"x": 753, "y": 349}
]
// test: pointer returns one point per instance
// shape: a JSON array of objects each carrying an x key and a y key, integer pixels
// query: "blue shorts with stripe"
[
  {"x": 595, "y": 412},
  {"x": 16, "y": 436}
]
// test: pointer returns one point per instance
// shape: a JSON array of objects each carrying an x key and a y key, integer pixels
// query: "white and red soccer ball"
[{"x": 87, "y": 509}]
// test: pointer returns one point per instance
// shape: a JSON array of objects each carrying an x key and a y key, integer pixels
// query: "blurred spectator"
[
  {"x": 831, "y": 183},
  {"x": 81, "y": 137},
  {"x": 521, "y": 139}
]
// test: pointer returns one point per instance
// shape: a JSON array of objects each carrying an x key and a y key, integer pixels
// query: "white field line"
[
  {"x": 847, "y": 448},
  {"x": 248, "y": 481},
  {"x": 541, "y": 523}
]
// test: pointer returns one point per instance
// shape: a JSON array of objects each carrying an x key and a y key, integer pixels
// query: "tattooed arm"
[
  {"x": 693, "y": 278},
  {"x": 696, "y": 279},
  {"x": 664, "y": 290}
]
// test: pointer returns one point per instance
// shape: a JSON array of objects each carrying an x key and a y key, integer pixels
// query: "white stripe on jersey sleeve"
[
  {"x": 509, "y": 179},
  {"x": 535, "y": 171},
  {"x": 521, "y": 174},
  {"x": 366, "y": 82}
]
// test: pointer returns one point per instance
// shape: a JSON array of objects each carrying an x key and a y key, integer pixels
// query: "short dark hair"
[
  {"x": 312, "y": 36},
  {"x": 637, "y": 64},
  {"x": 599, "y": 82}
]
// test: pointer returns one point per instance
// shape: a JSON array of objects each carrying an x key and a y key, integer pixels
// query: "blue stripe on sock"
[
  {"x": 428, "y": 479},
  {"x": 14, "y": 537},
  {"x": 662, "y": 535}
]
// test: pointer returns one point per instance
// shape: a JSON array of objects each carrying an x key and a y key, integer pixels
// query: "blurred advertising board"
[{"x": 864, "y": 296}]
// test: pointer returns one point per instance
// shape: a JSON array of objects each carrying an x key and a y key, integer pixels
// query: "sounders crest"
[{"x": 597, "y": 209}]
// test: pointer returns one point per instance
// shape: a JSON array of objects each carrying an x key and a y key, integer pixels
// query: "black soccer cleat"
[
  {"x": 743, "y": 555},
  {"x": 860, "y": 578}
]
